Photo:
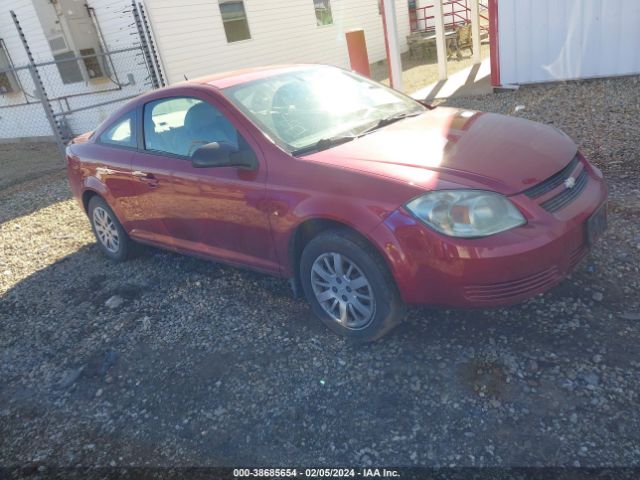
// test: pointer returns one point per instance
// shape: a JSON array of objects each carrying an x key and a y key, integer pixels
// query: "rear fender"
[{"x": 94, "y": 185}]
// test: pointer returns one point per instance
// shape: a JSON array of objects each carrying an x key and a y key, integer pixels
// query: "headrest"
[{"x": 199, "y": 115}]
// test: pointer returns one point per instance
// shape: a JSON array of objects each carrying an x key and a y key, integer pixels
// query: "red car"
[{"x": 366, "y": 199}]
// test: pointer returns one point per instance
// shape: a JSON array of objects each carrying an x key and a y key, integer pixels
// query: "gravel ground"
[{"x": 194, "y": 363}]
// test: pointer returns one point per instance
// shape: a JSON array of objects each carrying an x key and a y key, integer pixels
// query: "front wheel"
[{"x": 349, "y": 286}]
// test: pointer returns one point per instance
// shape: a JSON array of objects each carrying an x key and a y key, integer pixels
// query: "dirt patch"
[
  {"x": 24, "y": 161},
  {"x": 486, "y": 379},
  {"x": 418, "y": 72}
]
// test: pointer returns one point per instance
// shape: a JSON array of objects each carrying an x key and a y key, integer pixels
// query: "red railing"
[{"x": 455, "y": 12}]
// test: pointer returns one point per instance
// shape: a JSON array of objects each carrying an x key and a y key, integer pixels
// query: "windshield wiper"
[
  {"x": 323, "y": 144},
  {"x": 383, "y": 122}
]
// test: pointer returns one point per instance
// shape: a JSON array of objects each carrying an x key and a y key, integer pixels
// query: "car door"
[
  {"x": 152, "y": 189},
  {"x": 212, "y": 211}
]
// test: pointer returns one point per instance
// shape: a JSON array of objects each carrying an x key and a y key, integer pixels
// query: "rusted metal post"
[{"x": 494, "y": 43}]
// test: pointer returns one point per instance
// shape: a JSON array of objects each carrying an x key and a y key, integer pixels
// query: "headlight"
[{"x": 466, "y": 213}]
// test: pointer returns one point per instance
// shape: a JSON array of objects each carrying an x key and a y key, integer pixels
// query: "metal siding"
[
  {"x": 551, "y": 40},
  {"x": 119, "y": 32},
  {"x": 193, "y": 43},
  {"x": 507, "y": 49}
]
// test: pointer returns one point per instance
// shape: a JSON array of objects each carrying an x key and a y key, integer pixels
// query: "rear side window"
[{"x": 121, "y": 132}]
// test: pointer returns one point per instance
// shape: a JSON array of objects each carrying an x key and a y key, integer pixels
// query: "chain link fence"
[
  {"x": 21, "y": 112},
  {"x": 61, "y": 98},
  {"x": 114, "y": 78}
]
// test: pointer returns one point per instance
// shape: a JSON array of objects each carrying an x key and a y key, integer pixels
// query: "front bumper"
[{"x": 501, "y": 269}]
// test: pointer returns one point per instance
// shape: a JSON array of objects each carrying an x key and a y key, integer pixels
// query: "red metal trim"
[
  {"x": 457, "y": 14},
  {"x": 494, "y": 44}
]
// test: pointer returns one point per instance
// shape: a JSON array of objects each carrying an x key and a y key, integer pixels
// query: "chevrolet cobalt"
[{"x": 366, "y": 199}]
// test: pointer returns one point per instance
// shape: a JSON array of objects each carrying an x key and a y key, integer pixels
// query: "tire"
[
  {"x": 111, "y": 237},
  {"x": 363, "y": 313}
]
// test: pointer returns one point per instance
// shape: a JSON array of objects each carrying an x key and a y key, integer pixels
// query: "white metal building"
[
  {"x": 57, "y": 31},
  {"x": 192, "y": 38},
  {"x": 552, "y": 40},
  {"x": 531, "y": 41},
  {"x": 207, "y": 36}
]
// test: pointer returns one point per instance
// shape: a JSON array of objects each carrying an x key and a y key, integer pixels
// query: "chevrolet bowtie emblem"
[{"x": 570, "y": 182}]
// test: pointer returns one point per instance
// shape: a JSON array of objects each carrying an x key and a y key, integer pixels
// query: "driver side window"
[{"x": 181, "y": 125}]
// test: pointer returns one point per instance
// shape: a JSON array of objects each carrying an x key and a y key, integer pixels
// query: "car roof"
[
  {"x": 216, "y": 80},
  {"x": 237, "y": 77}
]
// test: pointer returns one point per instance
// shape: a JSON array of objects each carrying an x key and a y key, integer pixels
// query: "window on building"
[
  {"x": 323, "y": 12},
  {"x": 121, "y": 133},
  {"x": 234, "y": 19},
  {"x": 8, "y": 80},
  {"x": 70, "y": 32},
  {"x": 68, "y": 67}
]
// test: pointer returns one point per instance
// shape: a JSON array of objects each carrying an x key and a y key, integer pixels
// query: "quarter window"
[
  {"x": 121, "y": 132},
  {"x": 234, "y": 19},
  {"x": 323, "y": 12},
  {"x": 181, "y": 125}
]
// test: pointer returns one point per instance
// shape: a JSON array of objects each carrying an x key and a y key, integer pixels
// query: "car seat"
[{"x": 204, "y": 124}]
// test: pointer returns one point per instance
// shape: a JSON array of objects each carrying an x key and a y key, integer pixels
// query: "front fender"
[{"x": 362, "y": 217}]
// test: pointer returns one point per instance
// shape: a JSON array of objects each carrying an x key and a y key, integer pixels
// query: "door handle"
[{"x": 148, "y": 178}]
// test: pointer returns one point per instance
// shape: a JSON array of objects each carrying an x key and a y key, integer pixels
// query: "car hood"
[{"x": 449, "y": 148}]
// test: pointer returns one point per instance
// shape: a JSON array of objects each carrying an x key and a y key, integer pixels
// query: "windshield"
[{"x": 298, "y": 109}]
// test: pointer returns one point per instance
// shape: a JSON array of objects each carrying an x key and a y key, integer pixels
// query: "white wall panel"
[
  {"x": 118, "y": 27},
  {"x": 550, "y": 40},
  {"x": 192, "y": 41}
]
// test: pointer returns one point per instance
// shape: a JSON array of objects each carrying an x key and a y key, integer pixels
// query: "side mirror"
[{"x": 223, "y": 154}]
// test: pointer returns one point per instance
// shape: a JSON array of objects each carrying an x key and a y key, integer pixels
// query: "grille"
[
  {"x": 577, "y": 255},
  {"x": 515, "y": 289},
  {"x": 553, "y": 181},
  {"x": 567, "y": 195}
]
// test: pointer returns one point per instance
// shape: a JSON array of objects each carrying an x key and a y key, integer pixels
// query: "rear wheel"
[
  {"x": 111, "y": 236},
  {"x": 349, "y": 286}
]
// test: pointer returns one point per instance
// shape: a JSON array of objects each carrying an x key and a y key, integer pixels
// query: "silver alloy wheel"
[
  {"x": 106, "y": 229},
  {"x": 342, "y": 290}
]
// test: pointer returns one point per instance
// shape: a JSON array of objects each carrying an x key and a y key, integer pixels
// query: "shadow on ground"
[
  {"x": 202, "y": 364},
  {"x": 26, "y": 197}
]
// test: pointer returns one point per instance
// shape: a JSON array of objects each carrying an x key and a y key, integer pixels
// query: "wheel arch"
[
  {"x": 311, "y": 228},
  {"x": 96, "y": 190},
  {"x": 87, "y": 195}
]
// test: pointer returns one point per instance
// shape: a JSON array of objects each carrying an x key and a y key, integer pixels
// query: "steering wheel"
[{"x": 286, "y": 111}]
